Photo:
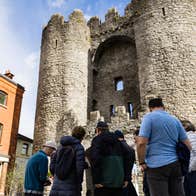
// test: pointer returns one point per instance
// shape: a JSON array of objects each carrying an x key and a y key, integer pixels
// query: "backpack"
[
  {"x": 65, "y": 157},
  {"x": 183, "y": 156}
]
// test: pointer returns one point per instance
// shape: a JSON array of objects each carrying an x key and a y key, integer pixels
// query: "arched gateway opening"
[{"x": 116, "y": 80}]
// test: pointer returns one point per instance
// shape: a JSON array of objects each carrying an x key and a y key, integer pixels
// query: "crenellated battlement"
[
  {"x": 112, "y": 16},
  {"x": 129, "y": 10},
  {"x": 57, "y": 18},
  {"x": 77, "y": 17},
  {"x": 113, "y": 22}
]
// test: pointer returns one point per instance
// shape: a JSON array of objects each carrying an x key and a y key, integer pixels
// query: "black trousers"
[
  {"x": 108, "y": 192},
  {"x": 166, "y": 180}
]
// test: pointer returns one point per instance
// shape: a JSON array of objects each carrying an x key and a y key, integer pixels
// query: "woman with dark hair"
[
  {"x": 68, "y": 164},
  {"x": 190, "y": 178}
]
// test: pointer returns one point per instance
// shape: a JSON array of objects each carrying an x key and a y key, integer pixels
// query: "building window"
[
  {"x": 25, "y": 149},
  {"x": 130, "y": 109},
  {"x": 3, "y": 98},
  {"x": 95, "y": 73},
  {"x": 119, "y": 86},
  {"x": 94, "y": 105},
  {"x": 1, "y": 131},
  {"x": 112, "y": 110},
  {"x": 163, "y": 11}
]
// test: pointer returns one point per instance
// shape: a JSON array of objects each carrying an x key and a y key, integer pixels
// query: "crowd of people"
[{"x": 109, "y": 160}]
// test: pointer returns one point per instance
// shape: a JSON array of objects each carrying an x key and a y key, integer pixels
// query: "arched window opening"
[
  {"x": 130, "y": 109},
  {"x": 3, "y": 98}
]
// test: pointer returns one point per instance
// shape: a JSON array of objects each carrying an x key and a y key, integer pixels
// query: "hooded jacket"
[{"x": 71, "y": 186}]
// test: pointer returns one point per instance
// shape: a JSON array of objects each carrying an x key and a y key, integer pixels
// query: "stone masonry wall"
[
  {"x": 166, "y": 44},
  {"x": 112, "y": 55},
  {"x": 62, "y": 90},
  {"x": 118, "y": 60}
]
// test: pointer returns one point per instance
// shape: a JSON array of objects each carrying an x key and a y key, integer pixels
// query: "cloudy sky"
[{"x": 21, "y": 23}]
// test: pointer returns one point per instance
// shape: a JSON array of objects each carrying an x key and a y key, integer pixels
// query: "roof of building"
[
  {"x": 13, "y": 82},
  {"x": 22, "y": 137}
]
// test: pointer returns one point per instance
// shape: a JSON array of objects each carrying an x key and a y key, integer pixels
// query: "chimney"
[{"x": 9, "y": 74}]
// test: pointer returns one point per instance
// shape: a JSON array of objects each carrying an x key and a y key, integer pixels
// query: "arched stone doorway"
[{"x": 115, "y": 77}]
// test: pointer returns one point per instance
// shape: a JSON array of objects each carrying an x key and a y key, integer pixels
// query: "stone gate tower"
[
  {"x": 62, "y": 90},
  {"x": 150, "y": 51},
  {"x": 165, "y": 37}
]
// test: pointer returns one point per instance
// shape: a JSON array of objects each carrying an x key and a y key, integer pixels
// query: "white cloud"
[
  {"x": 32, "y": 60},
  {"x": 56, "y": 3}
]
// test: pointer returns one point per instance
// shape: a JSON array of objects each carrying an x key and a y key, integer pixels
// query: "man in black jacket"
[{"x": 110, "y": 163}]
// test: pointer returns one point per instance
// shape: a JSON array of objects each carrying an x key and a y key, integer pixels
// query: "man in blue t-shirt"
[{"x": 156, "y": 146}]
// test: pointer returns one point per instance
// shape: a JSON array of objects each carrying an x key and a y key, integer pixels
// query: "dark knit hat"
[{"x": 102, "y": 124}]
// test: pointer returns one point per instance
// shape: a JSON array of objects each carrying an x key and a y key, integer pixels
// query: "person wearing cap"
[
  {"x": 37, "y": 170},
  {"x": 130, "y": 189},
  {"x": 156, "y": 147},
  {"x": 110, "y": 165}
]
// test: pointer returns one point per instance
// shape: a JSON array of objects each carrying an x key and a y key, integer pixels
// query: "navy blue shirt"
[
  {"x": 36, "y": 172},
  {"x": 163, "y": 132}
]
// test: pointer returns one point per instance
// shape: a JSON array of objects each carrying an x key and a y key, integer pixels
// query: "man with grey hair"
[{"x": 37, "y": 170}]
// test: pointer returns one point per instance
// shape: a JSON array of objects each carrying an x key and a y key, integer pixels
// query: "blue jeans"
[{"x": 190, "y": 183}]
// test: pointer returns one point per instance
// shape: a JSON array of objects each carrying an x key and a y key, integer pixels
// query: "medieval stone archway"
[{"x": 115, "y": 76}]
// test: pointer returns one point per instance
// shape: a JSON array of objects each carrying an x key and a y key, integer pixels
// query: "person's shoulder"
[
  {"x": 148, "y": 115},
  {"x": 79, "y": 146},
  {"x": 175, "y": 119},
  {"x": 42, "y": 155},
  {"x": 97, "y": 138},
  {"x": 38, "y": 157}
]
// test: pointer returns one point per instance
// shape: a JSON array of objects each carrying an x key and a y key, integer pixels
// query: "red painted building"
[{"x": 11, "y": 95}]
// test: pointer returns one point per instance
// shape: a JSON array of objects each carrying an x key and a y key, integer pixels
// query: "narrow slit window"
[
  {"x": 119, "y": 85},
  {"x": 112, "y": 110},
  {"x": 94, "y": 105},
  {"x": 95, "y": 72},
  {"x": 163, "y": 11},
  {"x": 56, "y": 43},
  {"x": 130, "y": 109}
]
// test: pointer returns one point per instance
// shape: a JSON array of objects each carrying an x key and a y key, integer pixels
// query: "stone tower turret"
[
  {"x": 165, "y": 41},
  {"x": 62, "y": 90}
]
